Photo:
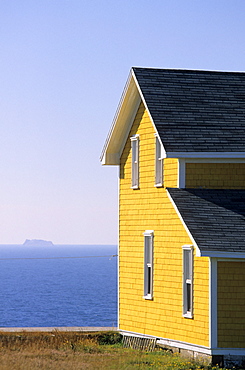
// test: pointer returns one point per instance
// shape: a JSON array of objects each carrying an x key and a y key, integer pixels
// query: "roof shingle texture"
[
  {"x": 196, "y": 111},
  {"x": 215, "y": 218}
]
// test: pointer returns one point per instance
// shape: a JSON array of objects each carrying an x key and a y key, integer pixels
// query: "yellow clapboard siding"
[
  {"x": 215, "y": 175},
  {"x": 231, "y": 308},
  {"x": 149, "y": 208}
]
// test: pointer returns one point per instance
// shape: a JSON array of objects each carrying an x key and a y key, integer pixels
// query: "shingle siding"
[
  {"x": 230, "y": 301},
  {"x": 149, "y": 208},
  {"x": 215, "y": 175}
]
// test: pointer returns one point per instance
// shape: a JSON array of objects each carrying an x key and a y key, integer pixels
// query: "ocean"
[{"x": 38, "y": 288}]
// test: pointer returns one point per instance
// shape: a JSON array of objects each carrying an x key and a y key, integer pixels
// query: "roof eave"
[
  {"x": 122, "y": 123},
  {"x": 221, "y": 254},
  {"x": 123, "y": 120}
]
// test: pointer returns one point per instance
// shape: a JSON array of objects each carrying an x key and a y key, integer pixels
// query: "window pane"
[
  {"x": 157, "y": 148},
  {"x": 135, "y": 161},
  {"x": 188, "y": 297},
  {"x": 134, "y": 158},
  {"x": 158, "y": 164},
  {"x": 148, "y": 249},
  {"x": 187, "y": 262},
  {"x": 187, "y": 282},
  {"x": 148, "y": 264},
  {"x": 149, "y": 280}
]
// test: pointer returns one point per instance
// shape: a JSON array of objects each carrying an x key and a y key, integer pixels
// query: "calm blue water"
[{"x": 58, "y": 292}]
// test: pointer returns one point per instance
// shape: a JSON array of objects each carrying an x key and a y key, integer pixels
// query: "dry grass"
[
  {"x": 75, "y": 351},
  {"x": 29, "y": 351}
]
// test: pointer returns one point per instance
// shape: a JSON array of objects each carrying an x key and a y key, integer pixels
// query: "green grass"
[{"x": 75, "y": 351}]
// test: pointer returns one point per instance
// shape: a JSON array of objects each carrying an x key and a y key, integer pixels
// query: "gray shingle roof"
[
  {"x": 196, "y": 111},
  {"x": 215, "y": 218}
]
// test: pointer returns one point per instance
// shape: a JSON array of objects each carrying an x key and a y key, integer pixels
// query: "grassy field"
[{"x": 75, "y": 351}]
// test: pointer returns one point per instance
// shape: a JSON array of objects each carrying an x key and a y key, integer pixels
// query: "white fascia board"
[
  {"x": 205, "y": 154},
  {"x": 198, "y": 254},
  {"x": 218, "y": 254},
  {"x": 122, "y": 123},
  {"x": 110, "y": 158},
  {"x": 163, "y": 151}
]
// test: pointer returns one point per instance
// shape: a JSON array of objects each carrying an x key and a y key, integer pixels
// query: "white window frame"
[
  {"x": 148, "y": 264},
  {"x": 135, "y": 161},
  {"x": 158, "y": 163},
  {"x": 188, "y": 281}
]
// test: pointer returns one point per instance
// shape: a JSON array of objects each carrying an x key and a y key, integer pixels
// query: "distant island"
[{"x": 37, "y": 243}]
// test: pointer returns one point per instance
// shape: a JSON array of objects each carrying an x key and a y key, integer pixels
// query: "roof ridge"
[{"x": 188, "y": 70}]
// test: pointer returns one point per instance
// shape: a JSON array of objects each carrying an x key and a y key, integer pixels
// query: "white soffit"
[{"x": 122, "y": 123}]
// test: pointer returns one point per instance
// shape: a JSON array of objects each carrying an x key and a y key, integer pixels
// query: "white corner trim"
[
  {"x": 198, "y": 253},
  {"x": 213, "y": 325},
  {"x": 181, "y": 173}
]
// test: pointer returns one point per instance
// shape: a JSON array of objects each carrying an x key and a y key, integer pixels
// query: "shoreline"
[{"x": 81, "y": 329}]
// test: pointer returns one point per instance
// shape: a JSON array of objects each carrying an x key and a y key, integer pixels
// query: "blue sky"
[{"x": 63, "y": 66}]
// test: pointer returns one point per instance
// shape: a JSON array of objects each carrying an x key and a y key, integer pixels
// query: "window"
[
  {"x": 187, "y": 281},
  {"x": 148, "y": 264},
  {"x": 158, "y": 164},
  {"x": 135, "y": 161}
]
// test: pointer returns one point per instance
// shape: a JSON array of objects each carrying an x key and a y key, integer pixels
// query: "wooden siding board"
[
  {"x": 231, "y": 308},
  {"x": 215, "y": 175},
  {"x": 150, "y": 209}
]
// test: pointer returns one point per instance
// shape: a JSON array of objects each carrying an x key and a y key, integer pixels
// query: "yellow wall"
[
  {"x": 231, "y": 304},
  {"x": 149, "y": 208},
  {"x": 215, "y": 175},
  {"x": 170, "y": 166}
]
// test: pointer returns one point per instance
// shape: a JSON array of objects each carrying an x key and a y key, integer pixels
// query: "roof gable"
[{"x": 123, "y": 120}]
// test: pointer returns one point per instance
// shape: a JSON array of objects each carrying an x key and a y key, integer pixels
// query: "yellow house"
[{"x": 179, "y": 139}]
